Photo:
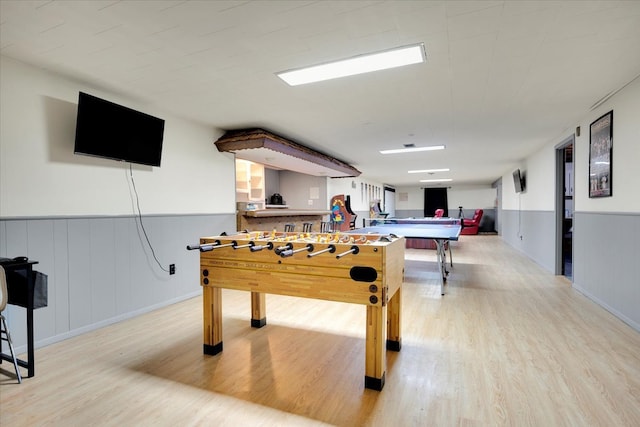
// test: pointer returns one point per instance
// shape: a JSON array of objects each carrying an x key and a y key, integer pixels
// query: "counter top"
[{"x": 263, "y": 213}]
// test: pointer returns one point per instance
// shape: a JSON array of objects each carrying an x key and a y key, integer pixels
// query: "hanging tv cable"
[{"x": 135, "y": 191}]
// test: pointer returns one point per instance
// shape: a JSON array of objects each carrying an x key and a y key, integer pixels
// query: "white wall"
[
  {"x": 539, "y": 171},
  {"x": 361, "y": 190},
  {"x": 298, "y": 189},
  {"x": 625, "y": 180},
  {"x": 625, "y": 175},
  {"x": 409, "y": 198},
  {"x": 471, "y": 197},
  {"x": 76, "y": 216},
  {"x": 467, "y": 196},
  {"x": 606, "y": 247},
  {"x": 40, "y": 175}
]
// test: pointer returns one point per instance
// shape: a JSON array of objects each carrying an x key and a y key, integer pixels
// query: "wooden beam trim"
[{"x": 257, "y": 138}]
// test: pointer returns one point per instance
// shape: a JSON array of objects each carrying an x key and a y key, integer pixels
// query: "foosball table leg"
[
  {"x": 258, "y": 310},
  {"x": 394, "y": 311},
  {"x": 375, "y": 352},
  {"x": 212, "y": 313}
]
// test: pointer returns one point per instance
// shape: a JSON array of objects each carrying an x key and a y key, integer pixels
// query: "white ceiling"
[{"x": 502, "y": 78}]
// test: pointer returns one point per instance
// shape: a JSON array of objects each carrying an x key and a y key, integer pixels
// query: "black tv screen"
[
  {"x": 518, "y": 182},
  {"x": 105, "y": 129}
]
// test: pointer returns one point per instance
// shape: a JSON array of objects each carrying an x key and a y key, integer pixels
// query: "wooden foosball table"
[{"x": 362, "y": 269}]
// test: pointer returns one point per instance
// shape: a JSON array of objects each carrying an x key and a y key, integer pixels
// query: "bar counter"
[{"x": 269, "y": 219}]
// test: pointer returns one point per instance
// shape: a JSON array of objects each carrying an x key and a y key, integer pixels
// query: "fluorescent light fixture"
[
  {"x": 437, "y": 180},
  {"x": 430, "y": 170},
  {"x": 413, "y": 149},
  {"x": 602, "y": 163},
  {"x": 361, "y": 64}
]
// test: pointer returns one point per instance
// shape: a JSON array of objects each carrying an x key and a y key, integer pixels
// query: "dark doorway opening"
[
  {"x": 567, "y": 212},
  {"x": 435, "y": 198}
]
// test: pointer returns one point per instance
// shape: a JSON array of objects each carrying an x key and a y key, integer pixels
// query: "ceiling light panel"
[
  {"x": 413, "y": 149},
  {"x": 406, "y": 55},
  {"x": 430, "y": 170}
]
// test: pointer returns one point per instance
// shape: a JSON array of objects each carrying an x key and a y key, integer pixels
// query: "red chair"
[
  {"x": 439, "y": 213},
  {"x": 470, "y": 226}
]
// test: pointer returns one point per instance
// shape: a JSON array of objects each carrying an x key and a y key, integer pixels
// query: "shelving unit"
[{"x": 250, "y": 183}]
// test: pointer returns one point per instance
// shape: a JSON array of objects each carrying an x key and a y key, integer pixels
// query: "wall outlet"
[
  {"x": 310, "y": 202},
  {"x": 172, "y": 269}
]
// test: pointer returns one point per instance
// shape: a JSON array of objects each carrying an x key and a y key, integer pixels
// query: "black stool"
[
  {"x": 326, "y": 227},
  {"x": 307, "y": 227}
]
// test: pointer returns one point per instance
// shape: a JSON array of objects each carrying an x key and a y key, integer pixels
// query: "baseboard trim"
[
  {"x": 607, "y": 307},
  {"x": 98, "y": 325}
]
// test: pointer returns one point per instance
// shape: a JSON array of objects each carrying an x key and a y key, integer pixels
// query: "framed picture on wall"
[{"x": 600, "y": 156}]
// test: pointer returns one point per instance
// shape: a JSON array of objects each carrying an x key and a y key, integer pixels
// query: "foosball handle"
[
  {"x": 217, "y": 244},
  {"x": 205, "y": 247},
  {"x": 280, "y": 249},
  {"x": 354, "y": 250},
  {"x": 290, "y": 252},
  {"x": 257, "y": 248}
]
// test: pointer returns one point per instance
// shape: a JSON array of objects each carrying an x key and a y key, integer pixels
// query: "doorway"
[
  {"x": 390, "y": 201},
  {"x": 564, "y": 207},
  {"x": 435, "y": 198}
]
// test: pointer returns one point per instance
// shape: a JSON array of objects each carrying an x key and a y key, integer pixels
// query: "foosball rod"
[
  {"x": 354, "y": 250},
  {"x": 248, "y": 245},
  {"x": 290, "y": 252},
  {"x": 331, "y": 249}
]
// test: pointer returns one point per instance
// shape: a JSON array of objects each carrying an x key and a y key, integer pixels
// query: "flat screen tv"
[
  {"x": 112, "y": 131},
  {"x": 518, "y": 181}
]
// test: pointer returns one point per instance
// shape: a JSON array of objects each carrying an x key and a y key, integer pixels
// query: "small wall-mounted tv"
[
  {"x": 112, "y": 131},
  {"x": 518, "y": 181}
]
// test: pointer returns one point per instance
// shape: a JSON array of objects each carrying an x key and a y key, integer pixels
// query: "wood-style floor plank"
[{"x": 510, "y": 344}]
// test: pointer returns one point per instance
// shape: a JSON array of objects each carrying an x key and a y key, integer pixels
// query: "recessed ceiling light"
[
  {"x": 437, "y": 180},
  {"x": 361, "y": 64},
  {"x": 413, "y": 149},
  {"x": 430, "y": 170}
]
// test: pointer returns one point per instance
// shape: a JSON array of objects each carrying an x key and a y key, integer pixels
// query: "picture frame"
[{"x": 600, "y": 156}]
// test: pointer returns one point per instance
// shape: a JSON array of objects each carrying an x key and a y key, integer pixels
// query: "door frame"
[{"x": 559, "y": 202}]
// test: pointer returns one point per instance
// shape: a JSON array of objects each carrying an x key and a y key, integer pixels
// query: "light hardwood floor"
[{"x": 510, "y": 344}]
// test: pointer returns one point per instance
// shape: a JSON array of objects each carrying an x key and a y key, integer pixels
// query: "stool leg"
[{"x": 5, "y": 330}]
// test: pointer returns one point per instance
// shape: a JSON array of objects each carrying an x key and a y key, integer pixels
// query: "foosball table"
[{"x": 355, "y": 268}]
